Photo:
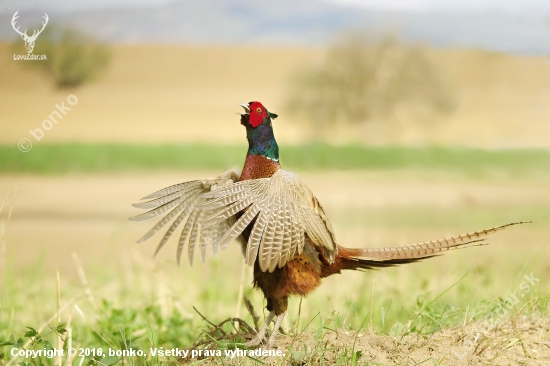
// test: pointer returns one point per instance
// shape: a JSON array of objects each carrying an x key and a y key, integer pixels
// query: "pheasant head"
[{"x": 259, "y": 131}]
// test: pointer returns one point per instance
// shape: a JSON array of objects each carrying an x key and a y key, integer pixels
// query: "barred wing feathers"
[
  {"x": 181, "y": 201},
  {"x": 285, "y": 211}
]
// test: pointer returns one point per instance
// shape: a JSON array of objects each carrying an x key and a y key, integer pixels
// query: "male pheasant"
[{"x": 283, "y": 229}]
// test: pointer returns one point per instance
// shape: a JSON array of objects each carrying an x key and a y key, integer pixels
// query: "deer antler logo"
[{"x": 29, "y": 40}]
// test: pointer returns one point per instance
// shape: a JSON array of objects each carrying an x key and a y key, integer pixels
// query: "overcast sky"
[
  {"x": 450, "y": 5},
  {"x": 408, "y": 5}
]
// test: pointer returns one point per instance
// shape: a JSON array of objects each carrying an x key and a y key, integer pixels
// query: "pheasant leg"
[
  {"x": 276, "y": 329},
  {"x": 260, "y": 336}
]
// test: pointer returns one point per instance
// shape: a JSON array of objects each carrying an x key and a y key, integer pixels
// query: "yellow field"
[
  {"x": 54, "y": 216},
  {"x": 183, "y": 93}
]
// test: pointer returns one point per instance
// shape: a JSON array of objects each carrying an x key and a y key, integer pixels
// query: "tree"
[{"x": 362, "y": 79}]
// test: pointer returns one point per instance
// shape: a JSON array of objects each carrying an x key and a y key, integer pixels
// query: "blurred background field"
[
  {"x": 499, "y": 100},
  {"x": 404, "y": 135}
]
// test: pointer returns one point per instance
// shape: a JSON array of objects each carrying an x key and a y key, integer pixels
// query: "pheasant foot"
[{"x": 260, "y": 336}]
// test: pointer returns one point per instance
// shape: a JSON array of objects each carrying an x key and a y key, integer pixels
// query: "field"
[
  {"x": 70, "y": 268},
  {"x": 69, "y": 224},
  {"x": 179, "y": 94}
]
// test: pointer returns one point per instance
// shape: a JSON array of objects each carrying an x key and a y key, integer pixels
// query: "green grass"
[
  {"x": 148, "y": 302},
  {"x": 148, "y": 321},
  {"x": 134, "y": 302},
  {"x": 95, "y": 158}
]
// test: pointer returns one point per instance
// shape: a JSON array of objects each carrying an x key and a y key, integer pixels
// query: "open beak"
[{"x": 246, "y": 109}]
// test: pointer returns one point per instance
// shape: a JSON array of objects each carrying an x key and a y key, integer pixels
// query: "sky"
[
  {"x": 399, "y": 5},
  {"x": 450, "y": 5},
  {"x": 511, "y": 26}
]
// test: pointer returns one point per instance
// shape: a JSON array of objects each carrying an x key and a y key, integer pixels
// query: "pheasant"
[{"x": 282, "y": 228}]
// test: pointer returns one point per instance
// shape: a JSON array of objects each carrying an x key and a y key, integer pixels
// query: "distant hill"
[{"x": 297, "y": 22}]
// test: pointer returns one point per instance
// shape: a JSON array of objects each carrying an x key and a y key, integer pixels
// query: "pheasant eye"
[{"x": 259, "y": 110}]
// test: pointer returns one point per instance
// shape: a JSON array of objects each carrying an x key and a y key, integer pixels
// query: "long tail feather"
[
  {"x": 370, "y": 258},
  {"x": 429, "y": 248}
]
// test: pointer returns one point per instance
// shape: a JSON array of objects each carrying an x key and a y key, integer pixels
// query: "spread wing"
[
  {"x": 284, "y": 209},
  {"x": 180, "y": 201}
]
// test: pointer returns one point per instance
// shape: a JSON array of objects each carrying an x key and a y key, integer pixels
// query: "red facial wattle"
[{"x": 257, "y": 114}]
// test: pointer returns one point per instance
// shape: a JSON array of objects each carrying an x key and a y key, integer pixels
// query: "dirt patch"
[{"x": 512, "y": 342}]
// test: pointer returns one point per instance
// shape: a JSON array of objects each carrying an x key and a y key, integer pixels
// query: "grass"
[
  {"x": 132, "y": 302},
  {"x": 129, "y": 301},
  {"x": 147, "y": 320},
  {"x": 96, "y": 158}
]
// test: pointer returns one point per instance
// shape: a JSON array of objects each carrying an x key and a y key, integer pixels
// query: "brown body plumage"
[{"x": 284, "y": 232}]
